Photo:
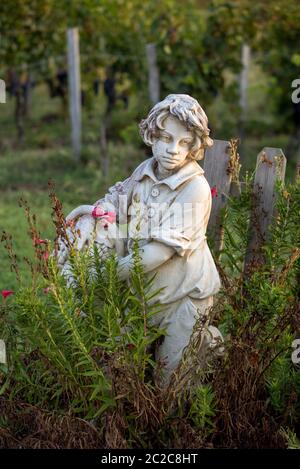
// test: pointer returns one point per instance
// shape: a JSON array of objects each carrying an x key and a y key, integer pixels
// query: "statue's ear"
[
  {"x": 197, "y": 155},
  {"x": 200, "y": 154},
  {"x": 154, "y": 139}
]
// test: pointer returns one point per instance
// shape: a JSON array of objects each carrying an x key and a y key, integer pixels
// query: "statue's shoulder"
[
  {"x": 141, "y": 167},
  {"x": 198, "y": 187}
]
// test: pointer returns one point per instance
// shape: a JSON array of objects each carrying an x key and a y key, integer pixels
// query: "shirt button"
[
  {"x": 155, "y": 192},
  {"x": 151, "y": 212}
]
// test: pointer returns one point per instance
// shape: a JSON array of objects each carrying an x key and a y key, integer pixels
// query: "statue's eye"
[
  {"x": 185, "y": 142},
  {"x": 165, "y": 137}
]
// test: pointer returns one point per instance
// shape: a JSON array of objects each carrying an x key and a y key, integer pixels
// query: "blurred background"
[{"x": 240, "y": 59}]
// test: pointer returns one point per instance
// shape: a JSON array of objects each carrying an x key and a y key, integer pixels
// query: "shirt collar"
[{"x": 188, "y": 171}]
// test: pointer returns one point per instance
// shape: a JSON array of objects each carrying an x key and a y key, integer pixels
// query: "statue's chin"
[{"x": 171, "y": 167}]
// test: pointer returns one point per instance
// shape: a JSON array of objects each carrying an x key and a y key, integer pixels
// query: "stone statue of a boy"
[{"x": 166, "y": 203}]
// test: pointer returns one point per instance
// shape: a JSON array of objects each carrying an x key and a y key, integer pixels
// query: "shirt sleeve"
[{"x": 183, "y": 225}]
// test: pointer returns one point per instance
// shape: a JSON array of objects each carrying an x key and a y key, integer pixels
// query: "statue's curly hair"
[{"x": 188, "y": 111}]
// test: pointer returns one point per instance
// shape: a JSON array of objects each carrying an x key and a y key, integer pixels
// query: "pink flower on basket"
[
  {"x": 110, "y": 217},
  {"x": 98, "y": 212},
  {"x": 6, "y": 293},
  {"x": 214, "y": 192}
]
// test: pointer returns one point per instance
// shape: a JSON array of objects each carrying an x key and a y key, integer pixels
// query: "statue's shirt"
[{"x": 174, "y": 211}]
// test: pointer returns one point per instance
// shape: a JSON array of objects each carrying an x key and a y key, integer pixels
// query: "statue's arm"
[
  {"x": 168, "y": 240},
  {"x": 152, "y": 255}
]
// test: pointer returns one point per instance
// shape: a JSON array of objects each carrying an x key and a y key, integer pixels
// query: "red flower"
[
  {"x": 214, "y": 192},
  {"x": 6, "y": 293},
  {"x": 40, "y": 241},
  {"x": 130, "y": 346}
]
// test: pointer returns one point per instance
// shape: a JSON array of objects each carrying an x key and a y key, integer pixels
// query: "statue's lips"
[{"x": 169, "y": 160}]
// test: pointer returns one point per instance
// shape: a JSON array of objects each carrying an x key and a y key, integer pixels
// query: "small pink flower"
[
  {"x": 6, "y": 293},
  {"x": 47, "y": 290},
  {"x": 214, "y": 192},
  {"x": 98, "y": 212}
]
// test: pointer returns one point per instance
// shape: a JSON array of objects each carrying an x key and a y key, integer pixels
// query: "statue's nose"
[{"x": 172, "y": 150}]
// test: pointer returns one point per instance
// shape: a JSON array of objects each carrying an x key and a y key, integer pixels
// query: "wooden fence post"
[
  {"x": 2, "y": 92},
  {"x": 219, "y": 169},
  {"x": 153, "y": 73},
  {"x": 74, "y": 89},
  {"x": 2, "y": 352},
  {"x": 243, "y": 91},
  {"x": 270, "y": 167},
  {"x": 243, "y": 80}
]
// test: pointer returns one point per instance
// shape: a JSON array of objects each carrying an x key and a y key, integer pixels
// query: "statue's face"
[{"x": 173, "y": 145}]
